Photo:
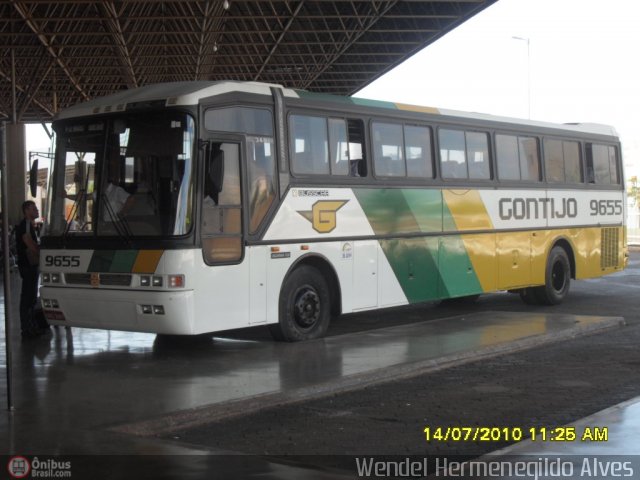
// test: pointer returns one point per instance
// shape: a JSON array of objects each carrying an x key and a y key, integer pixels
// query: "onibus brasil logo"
[
  {"x": 19, "y": 467},
  {"x": 322, "y": 215}
]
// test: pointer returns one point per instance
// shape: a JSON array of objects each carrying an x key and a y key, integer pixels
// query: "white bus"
[{"x": 195, "y": 207}]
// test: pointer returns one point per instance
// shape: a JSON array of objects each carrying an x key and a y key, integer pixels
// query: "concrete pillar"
[{"x": 16, "y": 170}]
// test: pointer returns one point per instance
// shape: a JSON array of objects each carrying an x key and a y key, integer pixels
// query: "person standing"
[{"x": 28, "y": 259}]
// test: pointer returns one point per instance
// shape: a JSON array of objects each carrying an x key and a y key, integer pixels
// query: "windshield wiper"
[
  {"x": 120, "y": 223},
  {"x": 72, "y": 213}
]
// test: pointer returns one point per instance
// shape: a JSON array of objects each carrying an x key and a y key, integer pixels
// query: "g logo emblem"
[{"x": 323, "y": 216}]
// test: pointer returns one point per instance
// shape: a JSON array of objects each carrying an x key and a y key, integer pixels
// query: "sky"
[{"x": 581, "y": 67}]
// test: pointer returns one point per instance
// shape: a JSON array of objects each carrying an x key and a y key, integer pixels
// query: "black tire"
[
  {"x": 529, "y": 296},
  {"x": 304, "y": 306},
  {"x": 557, "y": 278}
]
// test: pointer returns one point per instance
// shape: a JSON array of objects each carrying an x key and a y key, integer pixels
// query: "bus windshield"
[{"x": 129, "y": 175}]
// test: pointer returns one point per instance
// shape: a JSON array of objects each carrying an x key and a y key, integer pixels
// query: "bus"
[{"x": 194, "y": 207}]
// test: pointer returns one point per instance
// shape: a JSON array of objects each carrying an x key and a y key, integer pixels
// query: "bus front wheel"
[
  {"x": 529, "y": 296},
  {"x": 304, "y": 306},
  {"x": 557, "y": 278}
]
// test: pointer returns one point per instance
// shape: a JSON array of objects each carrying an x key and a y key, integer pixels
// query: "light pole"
[{"x": 526, "y": 39}]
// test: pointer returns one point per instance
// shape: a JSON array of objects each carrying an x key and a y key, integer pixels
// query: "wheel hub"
[
  {"x": 558, "y": 277},
  {"x": 306, "y": 307}
]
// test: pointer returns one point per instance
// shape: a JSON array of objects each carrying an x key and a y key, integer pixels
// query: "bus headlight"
[
  {"x": 55, "y": 278},
  {"x": 50, "y": 303},
  {"x": 46, "y": 278}
]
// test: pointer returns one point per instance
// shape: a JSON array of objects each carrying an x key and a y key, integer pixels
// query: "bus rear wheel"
[
  {"x": 557, "y": 278},
  {"x": 304, "y": 306}
]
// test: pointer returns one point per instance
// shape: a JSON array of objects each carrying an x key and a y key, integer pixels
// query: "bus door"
[
  {"x": 221, "y": 230},
  {"x": 365, "y": 274}
]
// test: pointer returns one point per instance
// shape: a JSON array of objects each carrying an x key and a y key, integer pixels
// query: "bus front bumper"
[{"x": 137, "y": 311}]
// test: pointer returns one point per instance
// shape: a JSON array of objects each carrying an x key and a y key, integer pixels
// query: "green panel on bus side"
[
  {"x": 101, "y": 260},
  {"x": 387, "y": 210},
  {"x": 411, "y": 210},
  {"x": 426, "y": 206},
  {"x": 114, "y": 261},
  {"x": 426, "y": 268},
  {"x": 123, "y": 261},
  {"x": 457, "y": 275},
  {"x": 448, "y": 223},
  {"x": 415, "y": 264}
]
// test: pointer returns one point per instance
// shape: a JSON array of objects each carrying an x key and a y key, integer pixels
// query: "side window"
[
  {"x": 261, "y": 166},
  {"x": 602, "y": 164},
  {"x": 239, "y": 119},
  {"x": 388, "y": 151},
  {"x": 517, "y": 158},
  {"x": 529, "y": 158},
  {"x": 478, "y": 155},
  {"x": 417, "y": 142},
  {"x": 613, "y": 165},
  {"x": 572, "y": 163},
  {"x": 507, "y": 157},
  {"x": 452, "y": 153},
  {"x": 321, "y": 145},
  {"x": 308, "y": 144},
  {"x": 554, "y": 160},
  {"x": 357, "y": 155},
  {"x": 338, "y": 147},
  {"x": 562, "y": 161},
  {"x": 464, "y": 154}
]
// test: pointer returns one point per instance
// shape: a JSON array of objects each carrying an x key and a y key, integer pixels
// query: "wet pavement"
[
  {"x": 587, "y": 456},
  {"x": 91, "y": 392}
]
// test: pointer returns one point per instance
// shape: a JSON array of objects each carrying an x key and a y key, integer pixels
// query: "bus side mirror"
[
  {"x": 33, "y": 178},
  {"x": 216, "y": 168}
]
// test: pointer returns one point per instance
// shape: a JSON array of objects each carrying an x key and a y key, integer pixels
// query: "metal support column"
[{"x": 6, "y": 269}]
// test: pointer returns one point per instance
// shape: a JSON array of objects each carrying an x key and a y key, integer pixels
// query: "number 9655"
[
  {"x": 606, "y": 207},
  {"x": 62, "y": 260}
]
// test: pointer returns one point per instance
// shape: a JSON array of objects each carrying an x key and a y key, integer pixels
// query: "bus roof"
[{"x": 190, "y": 93}]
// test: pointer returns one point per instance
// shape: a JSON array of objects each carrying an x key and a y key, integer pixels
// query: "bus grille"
[
  {"x": 119, "y": 280},
  {"x": 77, "y": 278},
  {"x": 610, "y": 247},
  {"x": 111, "y": 279}
]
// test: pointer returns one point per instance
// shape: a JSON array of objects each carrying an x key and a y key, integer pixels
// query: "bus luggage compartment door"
[{"x": 365, "y": 274}]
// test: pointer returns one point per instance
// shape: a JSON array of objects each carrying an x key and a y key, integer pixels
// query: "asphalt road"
[{"x": 547, "y": 386}]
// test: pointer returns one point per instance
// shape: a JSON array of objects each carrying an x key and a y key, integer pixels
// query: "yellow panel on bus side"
[
  {"x": 587, "y": 253},
  {"x": 481, "y": 249},
  {"x": 467, "y": 209},
  {"x": 590, "y": 251},
  {"x": 514, "y": 257},
  {"x": 539, "y": 250},
  {"x": 586, "y": 249}
]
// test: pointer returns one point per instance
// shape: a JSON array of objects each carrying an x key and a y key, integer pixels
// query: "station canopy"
[{"x": 54, "y": 54}]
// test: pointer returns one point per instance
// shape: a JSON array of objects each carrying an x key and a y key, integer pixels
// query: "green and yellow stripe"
[{"x": 125, "y": 261}]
